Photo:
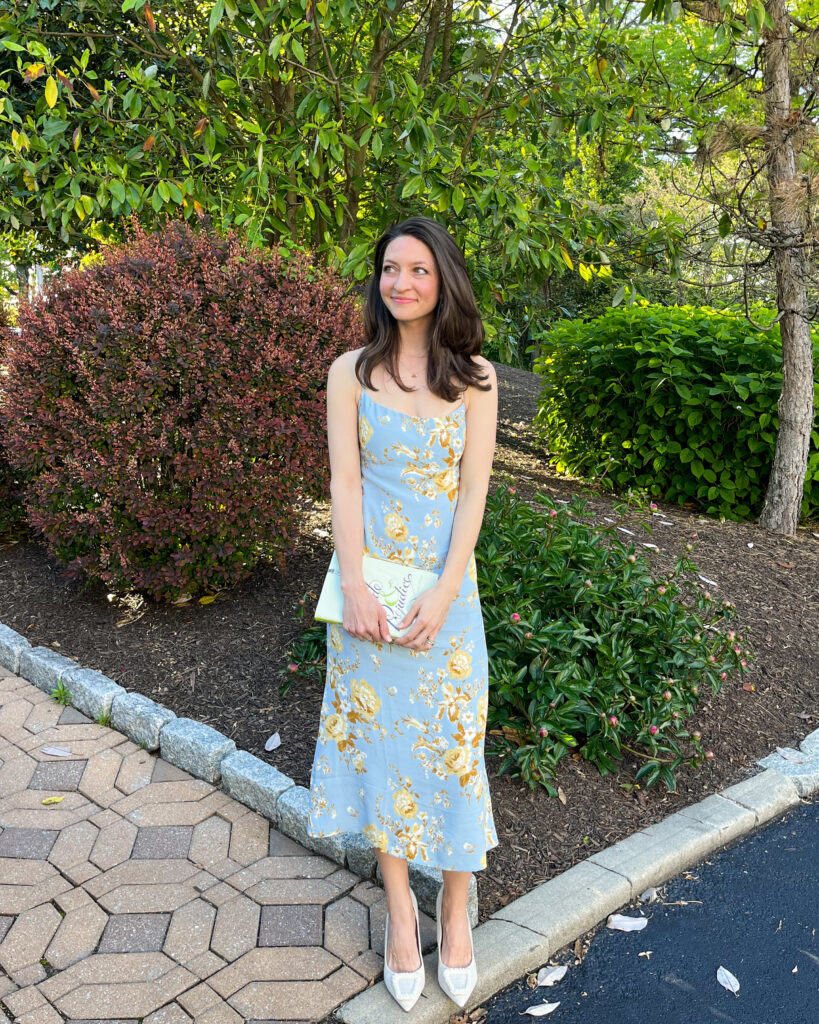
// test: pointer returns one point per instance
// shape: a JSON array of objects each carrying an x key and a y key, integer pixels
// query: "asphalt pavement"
[{"x": 752, "y": 908}]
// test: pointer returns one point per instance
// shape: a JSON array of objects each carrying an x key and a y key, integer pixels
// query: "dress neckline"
[{"x": 408, "y": 415}]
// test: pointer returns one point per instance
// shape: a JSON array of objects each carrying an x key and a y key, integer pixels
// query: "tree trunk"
[
  {"x": 783, "y": 500},
  {"x": 21, "y": 271}
]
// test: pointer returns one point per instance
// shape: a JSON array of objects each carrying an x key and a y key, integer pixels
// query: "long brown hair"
[{"x": 457, "y": 331}]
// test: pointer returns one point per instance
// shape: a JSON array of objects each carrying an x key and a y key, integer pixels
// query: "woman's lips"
[{"x": 403, "y": 300}]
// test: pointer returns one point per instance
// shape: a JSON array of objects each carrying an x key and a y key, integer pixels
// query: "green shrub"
[
  {"x": 587, "y": 651},
  {"x": 681, "y": 402},
  {"x": 167, "y": 407},
  {"x": 578, "y": 631}
]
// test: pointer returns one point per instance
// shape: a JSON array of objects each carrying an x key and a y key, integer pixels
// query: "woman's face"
[{"x": 409, "y": 280}]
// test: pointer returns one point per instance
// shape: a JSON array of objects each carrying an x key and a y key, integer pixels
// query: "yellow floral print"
[
  {"x": 459, "y": 664},
  {"x": 404, "y": 804},
  {"x": 336, "y": 641},
  {"x": 377, "y": 837},
  {"x": 395, "y": 527},
  {"x": 366, "y": 701},
  {"x": 365, "y": 430},
  {"x": 457, "y": 761}
]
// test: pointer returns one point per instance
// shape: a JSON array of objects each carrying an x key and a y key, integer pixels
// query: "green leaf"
[
  {"x": 724, "y": 225},
  {"x": 216, "y": 15},
  {"x": 412, "y": 186}
]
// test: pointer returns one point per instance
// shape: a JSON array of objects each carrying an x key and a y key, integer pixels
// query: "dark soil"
[{"x": 222, "y": 663}]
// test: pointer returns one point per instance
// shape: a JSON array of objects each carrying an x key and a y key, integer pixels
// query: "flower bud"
[
  {"x": 666, "y": 694},
  {"x": 709, "y": 755},
  {"x": 613, "y": 719},
  {"x": 696, "y": 734},
  {"x": 514, "y": 617},
  {"x": 292, "y": 667},
  {"x": 653, "y": 729}
]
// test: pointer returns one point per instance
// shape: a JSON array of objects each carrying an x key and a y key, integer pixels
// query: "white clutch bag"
[{"x": 395, "y": 586}]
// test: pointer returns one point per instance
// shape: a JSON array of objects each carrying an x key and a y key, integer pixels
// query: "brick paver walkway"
[{"x": 148, "y": 895}]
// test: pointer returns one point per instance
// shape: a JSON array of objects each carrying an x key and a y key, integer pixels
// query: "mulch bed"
[{"x": 221, "y": 663}]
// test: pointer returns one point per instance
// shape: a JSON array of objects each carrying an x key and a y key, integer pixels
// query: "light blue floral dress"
[{"x": 399, "y": 755}]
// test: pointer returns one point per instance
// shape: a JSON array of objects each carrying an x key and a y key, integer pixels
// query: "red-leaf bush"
[
  {"x": 167, "y": 406},
  {"x": 11, "y": 503}
]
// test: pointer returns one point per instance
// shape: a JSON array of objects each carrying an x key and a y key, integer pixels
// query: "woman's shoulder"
[
  {"x": 348, "y": 358},
  {"x": 483, "y": 363},
  {"x": 487, "y": 372}
]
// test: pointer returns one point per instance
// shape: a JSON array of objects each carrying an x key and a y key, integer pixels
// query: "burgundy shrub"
[
  {"x": 12, "y": 510},
  {"x": 167, "y": 407}
]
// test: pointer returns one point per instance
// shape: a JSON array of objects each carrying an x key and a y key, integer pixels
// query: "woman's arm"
[
  {"x": 475, "y": 471},
  {"x": 363, "y": 616},
  {"x": 345, "y": 471}
]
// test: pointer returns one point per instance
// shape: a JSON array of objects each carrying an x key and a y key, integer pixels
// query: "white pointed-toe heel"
[
  {"x": 404, "y": 986},
  {"x": 457, "y": 982}
]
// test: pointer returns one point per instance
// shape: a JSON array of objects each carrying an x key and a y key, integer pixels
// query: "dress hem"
[{"x": 414, "y": 860}]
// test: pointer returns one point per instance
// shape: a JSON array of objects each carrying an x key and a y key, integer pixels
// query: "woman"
[{"x": 400, "y": 750}]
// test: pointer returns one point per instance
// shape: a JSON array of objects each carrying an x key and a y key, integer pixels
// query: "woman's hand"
[
  {"x": 363, "y": 615},
  {"x": 427, "y": 614}
]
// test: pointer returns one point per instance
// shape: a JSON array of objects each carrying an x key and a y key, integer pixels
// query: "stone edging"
[
  {"x": 524, "y": 934},
  {"x": 207, "y": 754}
]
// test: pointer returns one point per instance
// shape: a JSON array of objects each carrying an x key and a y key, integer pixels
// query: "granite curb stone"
[
  {"x": 12, "y": 646},
  {"x": 291, "y": 818},
  {"x": 44, "y": 668},
  {"x": 254, "y": 782},
  {"x": 140, "y": 718},
  {"x": 194, "y": 747},
  {"x": 810, "y": 744},
  {"x": 768, "y": 794},
  {"x": 804, "y": 773},
  {"x": 91, "y": 691}
]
